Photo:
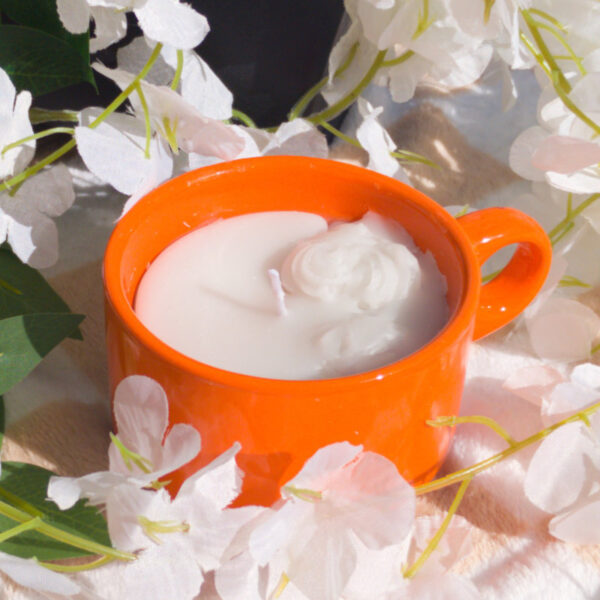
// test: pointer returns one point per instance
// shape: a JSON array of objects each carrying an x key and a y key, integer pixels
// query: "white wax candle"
[{"x": 284, "y": 295}]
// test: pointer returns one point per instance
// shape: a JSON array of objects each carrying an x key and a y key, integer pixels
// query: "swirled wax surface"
[{"x": 287, "y": 295}]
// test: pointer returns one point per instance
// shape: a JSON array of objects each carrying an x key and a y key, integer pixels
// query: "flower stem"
[
  {"x": 335, "y": 109},
  {"x": 178, "y": 70},
  {"x": 129, "y": 457},
  {"x": 402, "y": 155},
  {"x": 557, "y": 232},
  {"x": 243, "y": 117},
  {"x": 479, "y": 420},
  {"x": 128, "y": 90},
  {"x": 299, "y": 107},
  {"x": 468, "y": 472},
  {"x": 63, "y": 536},
  {"x": 570, "y": 281},
  {"x": 43, "y": 115},
  {"x": 148, "y": 124},
  {"x": 37, "y": 136},
  {"x": 545, "y": 52},
  {"x": 283, "y": 581},
  {"x": 54, "y": 156},
  {"x": 435, "y": 540},
  {"x": 14, "y": 531},
  {"x": 398, "y": 60},
  {"x": 77, "y": 568},
  {"x": 487, "y": 10},
  {"x": 29, "y": 172}
]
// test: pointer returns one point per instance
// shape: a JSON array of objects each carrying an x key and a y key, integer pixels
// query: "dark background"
[{"x": 267, "y": 52}]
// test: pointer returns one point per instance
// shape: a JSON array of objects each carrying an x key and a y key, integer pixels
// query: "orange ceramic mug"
[{"x": 281, "y": 423}]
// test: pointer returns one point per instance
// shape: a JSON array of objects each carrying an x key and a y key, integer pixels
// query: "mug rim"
[{"x": 459, "y": 321}]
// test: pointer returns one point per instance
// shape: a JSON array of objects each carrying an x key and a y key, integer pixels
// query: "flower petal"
[
  {"x": 522, "y": 150},
  {"x": 377, "y": 142},
  {"x": 587, "y": 375},
  {"x": 74, "y": 15},
  {"x": 373, "y": 500},
  {"x": 65, "y": 491},
  {"x": 564, "y": 154},
  {"x": 110, "y": 27},
  {"x": 50, "y": 192},
  {"x": 172, "y": 22},
  {"x": 141, "y": 411},
  {"x": 218, "y": 482},
  {"x": 563, "y": 329},
  {"x": 239, "y": 578},
  {"x": 114, "y": 150},
  {"x": 325, "y": 566},
  {"x": 32, "y": 235},
  {"x": 533, "y": 383},
  {"x": 578, "y": 526},
  {"x": 14, "y": 126},
  {"x": 28, "y": 573},
  {"x": 322, "y": 465},
  {"x": 584, "y": 181},
  {"x": 558, "y": 470},
  {"x": 297, "y": 138},
  {"x": 201, "y": 87}
]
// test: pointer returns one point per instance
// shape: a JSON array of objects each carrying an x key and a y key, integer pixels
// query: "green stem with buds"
[
  {"x": 314, "y": 91},
  {"x": 341, "y": 105},
  {"x": 469, "y": 472},
  {"x": 243, "y": 117},
  {"x": 477, "y": 419},
  {"x": 435, "y": 540},
  {"x": 37, "y": 136}
]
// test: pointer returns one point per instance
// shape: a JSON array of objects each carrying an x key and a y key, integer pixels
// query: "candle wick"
[{"x": 278, "y": 291}]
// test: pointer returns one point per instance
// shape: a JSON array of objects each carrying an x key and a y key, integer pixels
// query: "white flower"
[
  {"x": 114, "y": 152},
  {"x": 14, "y": 126},
  {"x": 377, "y": 142},
  {"x": 177, "y": 121},
  {"x": 562, "y": 329},
  {"x": 141, "y": 413},
  {"x": 564, "y": 150},
  {"x": 200, "y": 86},
  {"x": 341, "y": 492},
  {"x": 379, "y": 572},
  {"x": 198, "y": 513},
  {"x": 164, "y": 571},
  {"x": 28, "y": 573},
  {"x": 167, "y": 21},
  {"x": 502, "y": 27},
  {"x": 563, "y": 478},
  {"x": 25, "y": 217}
]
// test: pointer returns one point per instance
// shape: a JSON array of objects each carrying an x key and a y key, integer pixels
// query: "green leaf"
[
  {"x": 25, "y": 487},
  {"x": 43, "y": 15},
  {"x": 39, "y": 62},
  {"x": 23, "y": 290},
  {"x": 26, "y": 339}
]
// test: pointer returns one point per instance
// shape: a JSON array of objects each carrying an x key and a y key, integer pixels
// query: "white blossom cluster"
[{"x": 345, "y": 526}]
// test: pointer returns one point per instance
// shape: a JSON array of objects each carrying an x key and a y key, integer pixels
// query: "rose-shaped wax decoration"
[{"x": 351, "y": 264}]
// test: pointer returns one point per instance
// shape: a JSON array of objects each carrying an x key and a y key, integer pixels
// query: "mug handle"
[{"x": 507, "y": 295}]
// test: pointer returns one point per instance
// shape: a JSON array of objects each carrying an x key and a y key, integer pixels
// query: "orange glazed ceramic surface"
[{"x": 280, "y": 424}]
